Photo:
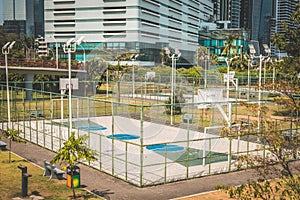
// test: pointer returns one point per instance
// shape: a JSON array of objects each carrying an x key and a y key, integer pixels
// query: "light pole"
[
  {"x": 207, "y": 60},
  {"x": 174, "y": 56},
  {"x": 133, "y": 58},
  {"x": 56, "y": 50},
  {"x": 261, "y": 59},
  {"x": 268, "y": 52},
  {"x": 5, "y": 50},
  {"x": 249, "y": 62},
  {"x": 70, "y": 47},
  {"x": 107, "y": 74},
  {"x": 83, "y": 55}
]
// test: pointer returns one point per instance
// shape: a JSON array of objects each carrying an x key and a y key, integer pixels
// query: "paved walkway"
[{"x": 113, "y": 188}]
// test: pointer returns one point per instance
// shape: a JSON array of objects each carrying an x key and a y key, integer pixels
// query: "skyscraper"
[
  {"x": 222, "y": 10},
  {"x": 283, "y": 10},
  {"x": 228, "y": 10},
  {"x": 254, "y": 15},
  {"x": 1, "y": 12},
  {"x": 23, "y": 17},
  {"x": 235, "y": 13}
]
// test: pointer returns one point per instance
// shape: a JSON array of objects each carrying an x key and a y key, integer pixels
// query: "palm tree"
[
  {"x": 201, "y": 55},
  {"x": 73, "y": 151},
  {"x": 230, "y": 45}
]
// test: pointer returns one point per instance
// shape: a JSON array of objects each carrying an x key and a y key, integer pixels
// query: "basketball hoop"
[
  {"x": 67, "y": 87},
  {"x": 64, "y": 84}
]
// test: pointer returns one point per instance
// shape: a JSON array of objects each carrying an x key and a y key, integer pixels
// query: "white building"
[{"x": 142, "y": 25}]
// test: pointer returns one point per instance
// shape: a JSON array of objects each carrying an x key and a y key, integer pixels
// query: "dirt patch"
[{"x": 216, "y": 195}]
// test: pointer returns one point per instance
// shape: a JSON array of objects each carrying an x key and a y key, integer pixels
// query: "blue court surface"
[{"x": 124, "y": 136}]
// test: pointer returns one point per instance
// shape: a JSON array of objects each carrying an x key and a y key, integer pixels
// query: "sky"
[{"x": 1, "y": 12}]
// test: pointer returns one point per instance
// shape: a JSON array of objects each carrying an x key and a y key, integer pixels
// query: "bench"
[
  {"x": 2, "y": 146},
  {"x": 52, "y": 171},
  {"x": 36, "y": 113}
]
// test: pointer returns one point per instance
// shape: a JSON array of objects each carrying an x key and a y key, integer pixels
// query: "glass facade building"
[{"x": 24, "y": 17}]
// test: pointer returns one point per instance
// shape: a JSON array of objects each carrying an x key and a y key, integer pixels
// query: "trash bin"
[{"x": 76, "y": 176}]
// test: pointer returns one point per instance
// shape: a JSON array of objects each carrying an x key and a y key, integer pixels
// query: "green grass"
[{"x": 10, "y": 179}]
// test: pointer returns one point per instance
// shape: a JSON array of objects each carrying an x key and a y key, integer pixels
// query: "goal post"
[{"x": 59, "y": 107}]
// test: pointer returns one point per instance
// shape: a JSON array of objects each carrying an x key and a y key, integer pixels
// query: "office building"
[
  {"x": 23, "y": 17},
  {"x": 1, "y": 12},
  {"x": 144, "y": 26},
  {"x": 283, "y": 10}
]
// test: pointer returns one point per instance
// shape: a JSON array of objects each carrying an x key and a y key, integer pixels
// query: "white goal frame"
[{"x": 62, "y": 106}]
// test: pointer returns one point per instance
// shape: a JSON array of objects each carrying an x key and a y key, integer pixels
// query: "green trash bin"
[{"x": 76, "y": 176}]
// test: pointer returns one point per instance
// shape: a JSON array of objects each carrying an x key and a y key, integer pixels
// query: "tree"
[
  {"x": 178, "y": 98},
  {"x": 281, "y": 147},
  {"x": 13, "y": 136},
  {"x": 73, "y": 151},
  {"x": 281, "y": 144},
  {"x": 230, "y": 45},
  {"x": 194, "y": 72},
  {"x": 202, "y": 55}
]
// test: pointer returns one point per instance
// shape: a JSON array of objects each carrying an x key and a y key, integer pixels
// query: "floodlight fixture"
[
  {"x": 11, "y": 44},
  {"x": 79, "y": 40},
  {"x": 177, "y": 52},
  {"x": 252, "y": 49},
  {"x": 68, "y": 43},
  {"x": 6, "y": 45},
  {"x": 5, "y": 50}
]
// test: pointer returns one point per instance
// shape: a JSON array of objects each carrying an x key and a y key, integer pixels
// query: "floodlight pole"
[
  {"x": 228, "y": 62},
  {"x": 83, "y": 55},
  {"x": 133, "y": 58},
  {"x": 70, "y": 47},
  {"x": 206, "y": 64},
  {"x": 56, "y": 50},
  {"x": 107, "y": 74},
  {"x": 5, "y": 50},
  {"x": 249, "y": 62},
  {"x": 174, "y": 56},
  {"x": 261, "y": 59}
]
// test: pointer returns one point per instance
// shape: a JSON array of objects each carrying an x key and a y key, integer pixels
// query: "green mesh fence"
[{"x": 135, "y": 136}]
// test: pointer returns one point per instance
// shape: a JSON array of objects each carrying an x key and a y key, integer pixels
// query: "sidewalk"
[{"x": 112, "y": 188}]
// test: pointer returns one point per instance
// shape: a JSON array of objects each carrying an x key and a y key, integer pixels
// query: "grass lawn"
[{"x": 10, "y": 179}]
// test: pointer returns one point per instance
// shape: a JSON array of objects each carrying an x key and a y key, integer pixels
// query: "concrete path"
[{"x": 113, "y": 188}]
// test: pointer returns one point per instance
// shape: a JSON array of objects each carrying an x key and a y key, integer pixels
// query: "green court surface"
[
  {"x": 193, "y": 157},
  {"x": 81, "y": 124}
]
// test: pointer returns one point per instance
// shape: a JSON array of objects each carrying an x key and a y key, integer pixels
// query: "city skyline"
[{"x": 145, "y": 25}]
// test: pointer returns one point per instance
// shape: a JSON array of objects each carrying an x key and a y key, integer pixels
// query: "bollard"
[{"x": 25, "y": 176}]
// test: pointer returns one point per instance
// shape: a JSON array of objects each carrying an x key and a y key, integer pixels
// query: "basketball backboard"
[{"x": 64, "y": 84}]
